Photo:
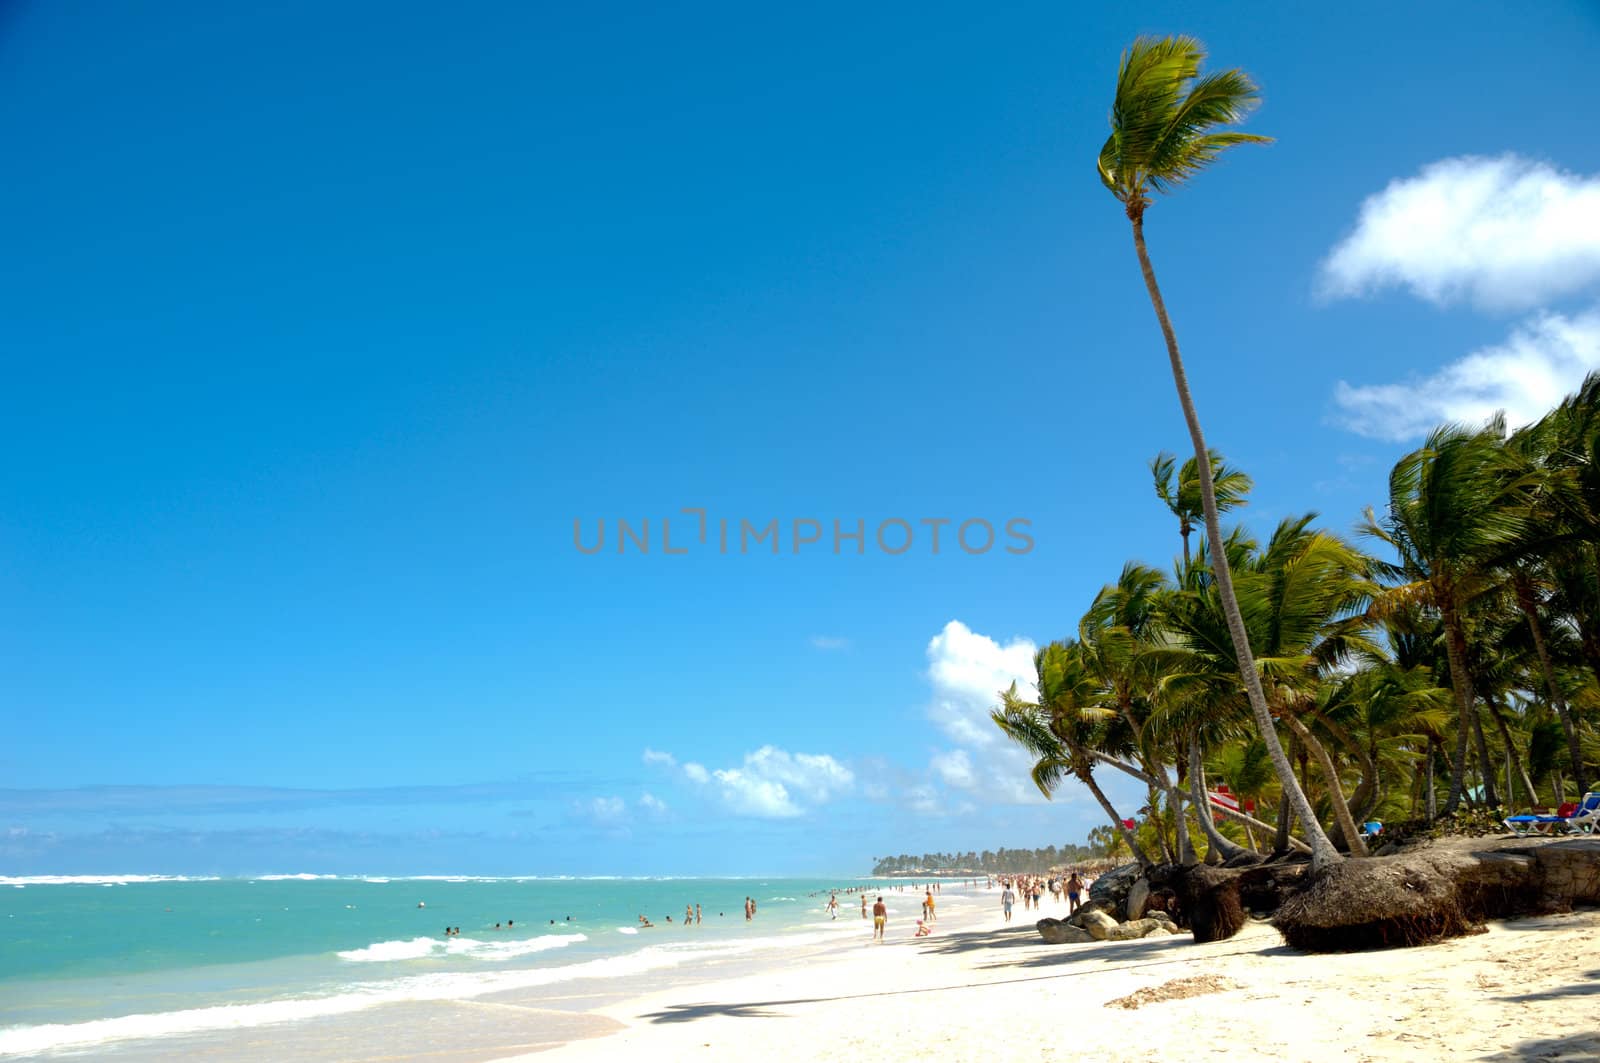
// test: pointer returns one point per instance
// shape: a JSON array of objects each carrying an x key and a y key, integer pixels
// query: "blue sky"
[{"x": 323, "y": 324}]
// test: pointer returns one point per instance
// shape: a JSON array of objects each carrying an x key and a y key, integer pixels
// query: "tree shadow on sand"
[
  {"x": 1020, "y": 948},
  {"x": 1108, "y": 956},
  {"x": 691, "y": 1012},
  {"x": 1528, "y": 923},
  {"x": 1580, "y": 1048},
  {"x": 1588, "y": 988},
  {"x": 1012, "y": 937}
]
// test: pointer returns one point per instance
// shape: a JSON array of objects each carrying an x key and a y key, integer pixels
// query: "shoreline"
[{"x": 978, "y": 988}]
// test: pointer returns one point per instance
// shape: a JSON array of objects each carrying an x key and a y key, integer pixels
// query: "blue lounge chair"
[
  {"x": 1581, "y": 818},
  {"x": 1587, "y": 819}
]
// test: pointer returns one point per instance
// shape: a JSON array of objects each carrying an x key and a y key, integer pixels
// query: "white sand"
[{"x": 977, "y": 989}]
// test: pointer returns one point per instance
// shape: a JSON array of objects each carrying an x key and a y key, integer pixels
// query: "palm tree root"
[
  {"x": 1214, "y": 903},
  {"x": 1409, "y": 899}
]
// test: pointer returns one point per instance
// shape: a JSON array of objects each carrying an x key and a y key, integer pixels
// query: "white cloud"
[
  {"x": 606, "y": 809},
  {"x": 1538, "y": 365},
  {"x": 652, "y": 804},
  {"x": 968, "y": 671},
  {"x": 923, "y": 800},
  {"x": 829, "y": 642},
  {"x": 753, "y": 796},
  {"x": 1503, "y": 233},
  {"x": 816, "y": 777},
  {"x": 772, "y": 782},
  {"x": 954, "y": 768},
  {"x": 652, "y": 756}
]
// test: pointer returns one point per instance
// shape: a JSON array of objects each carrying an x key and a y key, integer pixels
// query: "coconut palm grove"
[{"x": 1433, "y": 671}]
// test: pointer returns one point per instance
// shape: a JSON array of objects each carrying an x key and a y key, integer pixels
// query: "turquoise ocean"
[{"x": 93, "y": 963}]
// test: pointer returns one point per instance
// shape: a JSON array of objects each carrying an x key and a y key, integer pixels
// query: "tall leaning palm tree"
[{"x": 1164, "y": 130}]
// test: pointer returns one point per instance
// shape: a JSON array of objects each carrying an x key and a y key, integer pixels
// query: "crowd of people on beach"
[
  {"x": 1067, "y": 886},
  {"x": 1033, "y": 887},
  {"x": 692, "y": 914},
  {"x": 1030, "y": 888}
]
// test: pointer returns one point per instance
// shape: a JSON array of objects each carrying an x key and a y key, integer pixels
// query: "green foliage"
[
  {"x": 995, "y": 862},
  {"x": 1164, "y": 116},
  {"x": 1464, "y": 823},
  {"x": 1484, "y": 608}
]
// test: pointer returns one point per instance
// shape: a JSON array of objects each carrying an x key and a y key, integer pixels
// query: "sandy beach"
[{"x": 980, "y": 989}]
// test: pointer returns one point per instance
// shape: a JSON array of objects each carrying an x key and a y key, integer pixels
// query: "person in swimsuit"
[{"x": 880, "y": 919}]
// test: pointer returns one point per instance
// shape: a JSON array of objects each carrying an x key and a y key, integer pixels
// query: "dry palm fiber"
[{"x": 1379, "y": 902}]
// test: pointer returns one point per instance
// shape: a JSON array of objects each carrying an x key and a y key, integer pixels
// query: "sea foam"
[
  {"x": 33, "y": 1040},
  {"x": 97, "y": 880},
  {"x": 426, "y": 947}
]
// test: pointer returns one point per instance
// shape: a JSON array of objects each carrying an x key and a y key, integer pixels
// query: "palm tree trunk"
[
  {"x": 1491, "y": 798},
  {"x": 1323, "y": 853},
  {"x": 1513, "y": 760},
  {"x": 1365, "y": 793},
  {"x": 1282, "y": 837},
  {"x": 1456, "y": 650},
  {"x": 1433, "y": 802},
  {"x": 1241, "y": 817},
  {"x": 1181, "y": 841},
  {"x": 1225, "y": 849},
  {"x": 1167, "y": 854},
  {"x": 1116, "y": 819},
  {"x": 1341, "y": 808},
  {"x": 1180, "y": 820},
  {"x": 1525, "y": 599}
]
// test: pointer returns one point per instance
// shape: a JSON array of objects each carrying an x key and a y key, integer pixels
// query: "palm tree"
[
  {"x": 1244, "y": 765},
  {"x": 1560, "y": 454},
  {"x": 1116, "y": 637},
  {"x": 1230, "y": 486},
  {"x": 1062, "y": 727},
  {"x": 1164, "y": 123},
  {"x": 1105, "y": 840},
  {"x": 1451, "y": 509},
  {"x": 1304, "y": 596}
]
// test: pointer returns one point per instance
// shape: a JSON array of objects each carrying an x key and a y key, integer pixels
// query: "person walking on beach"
[
  {"x": 928, "y": 907},
  {"x": 1074, "y": 891},
  {"x": 1007, "y": 899},
  {"x": 697, "y": 915},
  {"x": 880, "y": 919},
  {"x": 863, "y": 906},
  {"x": 833, "y": 906}
]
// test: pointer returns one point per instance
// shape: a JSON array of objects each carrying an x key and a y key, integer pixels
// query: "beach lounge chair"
[
  {"x": 1572, "y": 817},
  {"x": 1586, "y": 820},
  {"x": 1534, "y": 823}
]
